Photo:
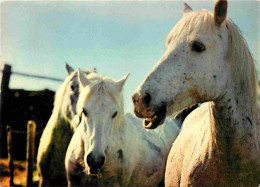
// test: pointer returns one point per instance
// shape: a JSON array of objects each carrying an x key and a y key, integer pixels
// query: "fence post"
[
  {"x": 31, "y": 127},
  {"x": 4, "y": 92},
  {"x": 10, "y": 154}
]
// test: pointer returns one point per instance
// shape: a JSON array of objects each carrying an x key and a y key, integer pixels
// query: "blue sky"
[{"x": 115, "y": 37}]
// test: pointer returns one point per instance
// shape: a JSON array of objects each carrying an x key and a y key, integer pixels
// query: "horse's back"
[
  {"x": 190, "y": 159},
  {"x": 161, "y": 137},
  {"x": 153, "y": 149},
  {"x": 170, "y": 128}
]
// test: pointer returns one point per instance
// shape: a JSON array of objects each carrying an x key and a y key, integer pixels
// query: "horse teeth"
[{"x": 149, "y": 119}]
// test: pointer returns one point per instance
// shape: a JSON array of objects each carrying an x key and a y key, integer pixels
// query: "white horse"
[
  {"x": 58, "y": 132},
  {"x": 207, "y": 60},
  {"x": 112, "y": 144}
]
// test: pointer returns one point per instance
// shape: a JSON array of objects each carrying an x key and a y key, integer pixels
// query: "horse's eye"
[
  {"x": 198, "y": 47},
  {"x": 72, "y": 87},
  {"x": 114, "y": 115},
  {"x": 84, "y": 112}
]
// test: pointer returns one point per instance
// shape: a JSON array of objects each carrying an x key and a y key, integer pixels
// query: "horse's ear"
[
  {"x": 83, "y": 81},
  {"x": 186, "y": 9},
  {"x": 94, "y": 70},
  {"x": 69, "y": 68},
  {"x": 220, "y": 11},
  {"x": 121, "y": 82}
]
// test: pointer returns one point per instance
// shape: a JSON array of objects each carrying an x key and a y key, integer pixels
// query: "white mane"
[
  {"x": 194, "y": 22},
  {"x": 241, "y": 60},
  {"x": 59, "y": 95}
]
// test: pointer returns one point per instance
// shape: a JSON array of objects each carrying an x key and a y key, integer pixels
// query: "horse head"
[
  {"x": 194, "y": 69},
  {"x": 100, "y": 107},
  {"x": 66, "y": 97}
]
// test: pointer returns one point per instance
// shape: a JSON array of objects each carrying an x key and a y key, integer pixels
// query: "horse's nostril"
[
  {"x": 144, "y": 99},
  {"x": 147, "y": 99},
  {"x": 90, "y": 159},
  {"x": 101, "y": 162},
  {"x": 95, "y": 161}
]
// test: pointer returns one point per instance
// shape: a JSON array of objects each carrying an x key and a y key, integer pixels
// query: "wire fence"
[
  {"x": 25, "y": 132},
  {"x": 35, "y": 76}
]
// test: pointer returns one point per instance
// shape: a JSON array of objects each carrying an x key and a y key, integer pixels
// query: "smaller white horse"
[
  {"x": 112, "y": 144},
  {"x": 58, "y": 132}
]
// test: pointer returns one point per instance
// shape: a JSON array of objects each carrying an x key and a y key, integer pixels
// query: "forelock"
[{"x": 199, "y": 21}]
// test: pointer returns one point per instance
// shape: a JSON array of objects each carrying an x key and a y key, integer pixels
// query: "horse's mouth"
[
  {"x": 157, "y": 119},
  {"x": 94, "y": 172}
]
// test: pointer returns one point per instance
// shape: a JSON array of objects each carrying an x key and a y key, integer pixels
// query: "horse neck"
[
  {"x": 236, "y": 121},
  {"x": 62, "y": 124}
]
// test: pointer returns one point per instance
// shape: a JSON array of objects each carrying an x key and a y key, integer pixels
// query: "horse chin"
[
  {"x": 157, "y": 119},
  {"x": 94, "y": 172}
]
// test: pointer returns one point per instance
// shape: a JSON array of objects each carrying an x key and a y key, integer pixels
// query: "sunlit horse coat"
[
  {"x": 133, "y": 156},
  {"x": 58, "y": 132}
]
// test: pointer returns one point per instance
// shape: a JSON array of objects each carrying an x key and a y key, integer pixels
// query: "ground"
[{"x": 19, "y": 173}]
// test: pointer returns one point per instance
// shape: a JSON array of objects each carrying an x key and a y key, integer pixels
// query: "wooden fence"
[
  {"x": 6, "y": 132},
  {"x": 5, "y": 92},
  {"x": 30, "y": 146}
]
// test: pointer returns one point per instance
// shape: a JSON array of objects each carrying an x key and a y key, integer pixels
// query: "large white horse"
[
  {"x": 58, "y": 132},
  {"x": 113, "y": 144},
  {"x": 207, "y": 60}
]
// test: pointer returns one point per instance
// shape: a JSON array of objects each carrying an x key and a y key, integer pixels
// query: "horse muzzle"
[
  {"x": 142, "y": 107},
  {"x": 95, "y": 162},
  {"x": 154, "y": 116},
  {"x": 157, "y": 119}
]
